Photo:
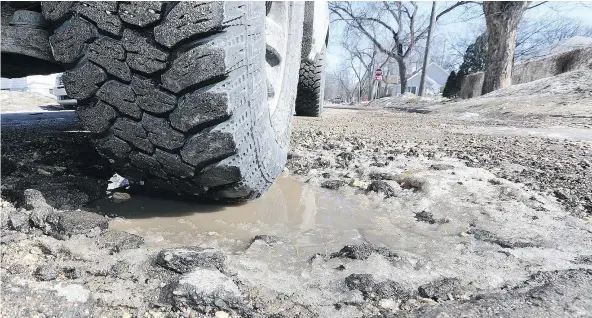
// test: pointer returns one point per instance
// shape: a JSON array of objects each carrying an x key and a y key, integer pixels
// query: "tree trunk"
[
  {"x": 501, "y": 19},
  {"x": 402, "y": 73},
  {"x": 426, "y": 57}
]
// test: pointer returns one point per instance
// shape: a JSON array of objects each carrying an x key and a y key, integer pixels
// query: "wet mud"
[{"x": 379, "y": 215}]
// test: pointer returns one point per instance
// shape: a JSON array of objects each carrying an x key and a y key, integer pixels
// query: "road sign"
[{"x": 378, "y": 74}]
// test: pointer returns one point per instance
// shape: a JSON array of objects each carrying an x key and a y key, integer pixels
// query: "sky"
[{"x": 461, "y": 25}]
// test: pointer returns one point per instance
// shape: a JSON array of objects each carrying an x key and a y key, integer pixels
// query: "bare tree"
[
  {"x": 362, "y": 54},
  {"x": 341, "y": 82},
  {"x": 539, "y": 36},
  {"x": 399, "y": 20}
]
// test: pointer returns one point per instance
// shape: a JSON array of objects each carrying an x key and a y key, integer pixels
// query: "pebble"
[
  {"x": 221, "y": 314},
  {"x": 45, "y": 273},
  {"x": 357, "y": 183},
  {"x": 43, "y": 172},
  {"x": 119, "y": 197}
]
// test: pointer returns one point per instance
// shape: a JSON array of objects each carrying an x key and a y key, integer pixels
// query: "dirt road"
[{"x": 382, "y": 213}]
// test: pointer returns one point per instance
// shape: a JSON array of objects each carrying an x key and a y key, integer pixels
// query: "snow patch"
[{"x": 73, "y": 292}]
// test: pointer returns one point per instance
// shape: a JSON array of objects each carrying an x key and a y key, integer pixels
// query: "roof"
[{"x": 419, "y": 71}]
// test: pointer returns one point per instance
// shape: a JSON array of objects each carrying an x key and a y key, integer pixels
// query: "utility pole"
[{"x": 427, "y": 51}]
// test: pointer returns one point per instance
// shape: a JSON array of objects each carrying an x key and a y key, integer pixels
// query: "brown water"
[{"x": 288, "y": 209}]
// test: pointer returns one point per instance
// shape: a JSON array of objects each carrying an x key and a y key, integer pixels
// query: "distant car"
[
  {"x": 61, "y": 95},
  {"x": 338, "y": 100}
]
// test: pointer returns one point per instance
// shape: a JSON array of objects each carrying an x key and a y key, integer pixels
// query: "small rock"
[
  {"x": 561, "y": 194},
  {"x": 50, "y": 245},
  {"x": 268, "y": 239},
  {"x": 118, "y": 241},
  {"x": 185, "y": 259},
  {"x": 489, "y": 237},
  {"x": 18, "y": 221},
  {"x": 363, "y": 251},
  {"x": 9, "y": 237},
  {"x": 389, "y": 304},
  {"x": 357, "y": 183},
  {"x": 440, "y": 289},
  {"x": 332, "y": 184},
  {"x": 428, "y": 217},
  {"x": 346, "y": 156},
  {"x": 495, "y": 181},
  {"x": 583, "y": 259},
  {"x": 407, "y": 181},
  {"x": 441, "y": 166},
  {"x": 77, "y": 222},
  {"x": 41, "y": 211},
  {"x": 207, "y": 291},
  {"x": 34, "y": 199},
  {"x": 45, "y": 273},
  {"x": 120, "y": 269},
  {"x": 221, "y": 314},
  {"x": 6, "y": 209},
  {"x": 119, "y": 197},
  {"x": 381, "y": 176},
  {"x": 71, "y": 272},
  {"x": 43, "y": 172},
  {"x": 381, "y": 187},
  {"x": 372, "y": 289},
  {"x": 40, "y": 215}
]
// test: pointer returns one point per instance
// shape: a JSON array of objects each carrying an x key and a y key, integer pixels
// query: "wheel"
[
  {"x": 191, "y": 98},
  {"x": 311, "y": 86}
]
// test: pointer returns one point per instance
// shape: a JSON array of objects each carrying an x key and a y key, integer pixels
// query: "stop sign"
[{"x": 378, "y": 72}]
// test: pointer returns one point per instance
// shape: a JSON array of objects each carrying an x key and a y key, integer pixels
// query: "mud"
[{"x": 380, "y": 214}]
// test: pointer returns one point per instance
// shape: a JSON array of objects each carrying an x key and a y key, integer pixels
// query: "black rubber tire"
[
  {"x": 176, "y": 92},
  {"x": 311, "y": 86}
]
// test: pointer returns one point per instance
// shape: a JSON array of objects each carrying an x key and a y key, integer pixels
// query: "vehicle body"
[
  {"x": 337, "y": 100},
  {"x": 61, "y": 95},
  {"x": 190, "y": 98}
]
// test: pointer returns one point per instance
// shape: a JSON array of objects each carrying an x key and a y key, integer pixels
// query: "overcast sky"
[{"x": 463, "y": 24}]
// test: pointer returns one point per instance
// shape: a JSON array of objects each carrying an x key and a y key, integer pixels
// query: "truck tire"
[
  {"x": 311, "y": 86},
  {"x": 177, "y": 93}
]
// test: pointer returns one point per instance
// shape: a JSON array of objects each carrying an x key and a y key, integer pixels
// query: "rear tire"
[
  {"x": 177, "y": 93},
  {"x": 311, "y": 86}
]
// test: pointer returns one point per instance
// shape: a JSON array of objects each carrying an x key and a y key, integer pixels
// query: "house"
[
  {"x": 40, "y": 84},
  {"x": 435, "y": 81}
]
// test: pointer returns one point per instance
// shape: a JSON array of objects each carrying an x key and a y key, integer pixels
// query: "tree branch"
[
  {"x": 454, "y": 6},
  {"x": 336, "y": 9},
  {"x": 536, "y": 5}
]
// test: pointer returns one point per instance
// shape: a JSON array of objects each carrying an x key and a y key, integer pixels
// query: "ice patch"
[
  {"x": 576, "y": 134},
  {"x": 73, "y": 292},
  {"x": 468, "y": 115}
]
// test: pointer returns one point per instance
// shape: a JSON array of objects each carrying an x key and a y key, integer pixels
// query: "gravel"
[{"x": 543, "y": 163}]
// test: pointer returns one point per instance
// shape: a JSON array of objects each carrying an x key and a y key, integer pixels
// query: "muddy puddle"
[{"x": 303, "y": 215}]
